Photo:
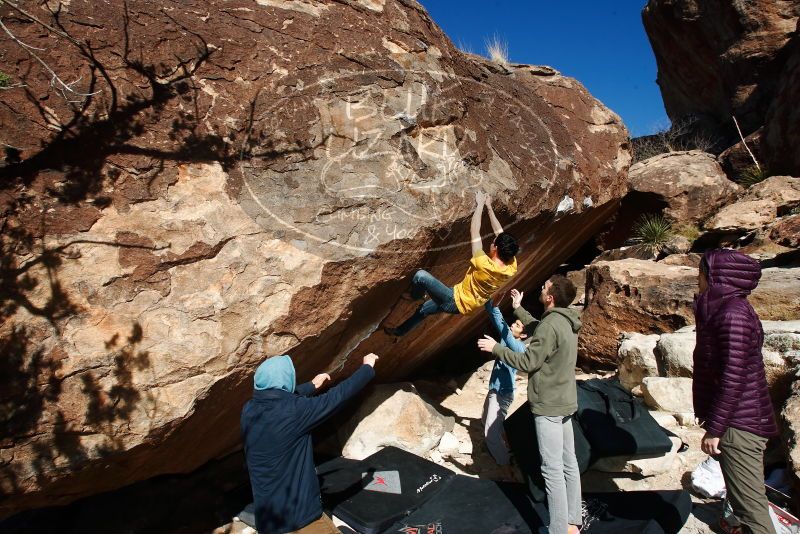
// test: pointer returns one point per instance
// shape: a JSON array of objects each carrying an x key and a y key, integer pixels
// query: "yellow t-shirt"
[{"x": 483, "y": 278}]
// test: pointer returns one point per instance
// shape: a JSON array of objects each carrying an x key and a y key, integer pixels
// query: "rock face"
[
  {"x": 632, "y": 296},
  {"x": 673, "y": 395},
  {"x": 227, "y": 182},
  {"x": 758, "y": 206},
  {"x": 786, "y": 232},
  {"x": 692, "y": 185},
  {"x": 637, "y": 359},
  {"x": 675, "y": 353},
  {"x": 720, "y": 57},
  {"x": 791, "y": 426},
  {"x": 672, "y": 356},
  {"x": 393, "y": 415},
  {"x": 655, "y": 297}
]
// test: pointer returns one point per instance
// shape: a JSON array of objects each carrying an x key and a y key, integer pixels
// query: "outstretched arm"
[
  {"x": 475, "y": 226},
  {"x": 496, "y": 227}
]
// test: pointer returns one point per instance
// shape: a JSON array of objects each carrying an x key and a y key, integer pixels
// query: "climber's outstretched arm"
[
  {"x": 496, "y": 227},
  {"x": 475, "y": 226}
]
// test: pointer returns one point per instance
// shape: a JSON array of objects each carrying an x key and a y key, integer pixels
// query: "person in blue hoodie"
[
  {"x": 501, "y": 382},
  {"x": 276, "y": 430}
]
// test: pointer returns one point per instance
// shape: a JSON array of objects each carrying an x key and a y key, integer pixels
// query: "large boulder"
[
  {"x": 655, "y": 297},
  {"x": 758, "y": 206},
  {"x": 632, "y": 295},
  {"x": 786, "y": 231},
  {"x": 777, "y": 297},
  {"x": 393, "y": 415},
  {"x": 223, "y": 183},
  {"x": 721, "y": 57},
  {"x": 692, "y": 184},
  {"x": 780, "y": 350}
]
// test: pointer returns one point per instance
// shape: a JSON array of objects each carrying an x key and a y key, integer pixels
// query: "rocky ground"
[{"x": 466, "y": 454}]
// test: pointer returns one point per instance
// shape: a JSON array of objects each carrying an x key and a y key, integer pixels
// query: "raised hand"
[
  {"x": 486, "y": 343},
  {"x": 516, "y": 298},
  {"x": 370, "y": 359},
  {"x": 488, "y": 201},
  {"x": 320, "y": 379}
]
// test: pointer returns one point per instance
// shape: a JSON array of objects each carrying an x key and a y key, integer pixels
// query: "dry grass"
[
  {"x": 689, "y": 231},
  {"x": 680, "y": 136},
  {"x": 497, "y": 49}
]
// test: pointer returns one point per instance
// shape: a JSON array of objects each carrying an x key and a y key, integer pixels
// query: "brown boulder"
[
  {"x": 720, "y": 57},
  {"x": 244, "y": 181},
  {"x": 655, "y": 298},
  {"x": 736, "y": 160},
  {"x": 632, "y": 296},
  {"x": 786, "y": 232},
  {"x": 692, "y": 185},
  {"x": 758, "y": 207}
]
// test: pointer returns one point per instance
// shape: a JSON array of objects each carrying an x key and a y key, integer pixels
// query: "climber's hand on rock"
[
  {"x": 480, "y": 198},
  {"x": 370, "y": 359},
  {"x": 320, "y": 379},
  {"x": 486, "y": 343}
]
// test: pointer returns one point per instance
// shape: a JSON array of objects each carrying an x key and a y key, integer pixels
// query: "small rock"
[
  {"x": 674, "y": 353},
  {"x": 637, "y": 359},
  {"x": 686, "y": 419},
  {"x": 666, "y": 420},
  {"x": 448, "y": 444},
  {"x": 673, "y": 395}
]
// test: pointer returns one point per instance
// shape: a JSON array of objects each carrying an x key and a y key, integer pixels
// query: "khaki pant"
[
  {"x": 742, "y": 463},
  {"x": 323, "y": 525}
]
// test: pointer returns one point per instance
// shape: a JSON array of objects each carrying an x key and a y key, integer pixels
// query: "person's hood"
[
  {"x": 275, "y": 373},
  {"x": 732, "y": 269},
  {"x": 569, "y": 314},
  {"x": 729, "y": 274}
]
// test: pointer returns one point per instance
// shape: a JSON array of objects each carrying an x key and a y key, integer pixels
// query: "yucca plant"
[
  {"x": 752, "y": 175},
  {"x": 653, "y": 231}
]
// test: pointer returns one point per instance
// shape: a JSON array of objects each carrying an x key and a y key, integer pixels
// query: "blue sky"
[{"x": 601, "y": 43}]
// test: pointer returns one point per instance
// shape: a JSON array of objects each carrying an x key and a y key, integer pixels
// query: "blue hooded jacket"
[{"x": 276, "y": 430}]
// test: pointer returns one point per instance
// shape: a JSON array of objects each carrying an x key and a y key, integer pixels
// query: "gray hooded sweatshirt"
[{"x": 549, "y": 361}]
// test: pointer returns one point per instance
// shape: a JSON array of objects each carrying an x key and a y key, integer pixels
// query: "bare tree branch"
[{"x": 55, "y": 82}]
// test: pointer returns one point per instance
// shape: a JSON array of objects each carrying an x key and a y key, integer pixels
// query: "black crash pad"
[{"x": 371, "y": 494}]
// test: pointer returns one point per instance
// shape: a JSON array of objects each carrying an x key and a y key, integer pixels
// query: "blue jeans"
[{"x": 441, "y": 300}]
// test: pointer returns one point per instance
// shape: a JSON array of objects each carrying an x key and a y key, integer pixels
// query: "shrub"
[
  {"x": 681, "y": 135},
  {"x": 497, "y": 50},
  {"x": 689, "y": 231},
  {"x": 5, "y": 79},
  {"x": 653, "y": 231},
  {"x": 752, "y": 175}
]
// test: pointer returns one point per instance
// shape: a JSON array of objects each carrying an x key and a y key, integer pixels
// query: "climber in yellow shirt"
[{"x": 485, "y": 274}]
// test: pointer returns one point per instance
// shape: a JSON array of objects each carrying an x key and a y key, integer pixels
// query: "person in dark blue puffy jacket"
[{"x": 276, "y": 430}]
